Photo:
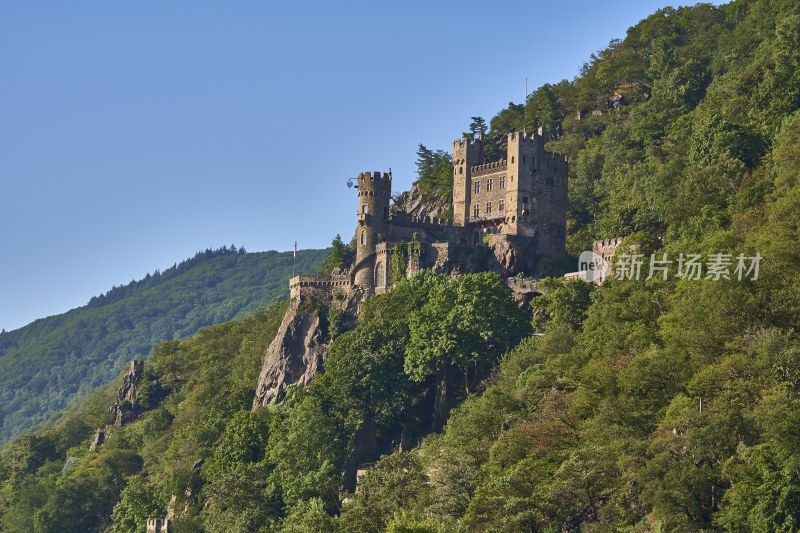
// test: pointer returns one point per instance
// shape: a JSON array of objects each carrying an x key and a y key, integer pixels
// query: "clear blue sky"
[{"x": 133, "y": 134}]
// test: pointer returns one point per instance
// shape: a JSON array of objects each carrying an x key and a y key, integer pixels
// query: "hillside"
[
  {"x": 49, "y": 362},
  {"x": 666, "y": 404}
]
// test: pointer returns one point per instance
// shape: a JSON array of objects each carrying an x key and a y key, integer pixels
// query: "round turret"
[{"x": 374, "y": 191}]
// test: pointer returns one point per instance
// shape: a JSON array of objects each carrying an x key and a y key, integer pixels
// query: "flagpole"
[{"x": 294, "y": 260}]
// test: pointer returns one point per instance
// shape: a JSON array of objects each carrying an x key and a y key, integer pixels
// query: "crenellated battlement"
[
  {"x": 375, "y": 177},
  {"x": 486, "y": 168},
  {"x": 520, "y": 136},
  {"x": 466, "y": 141},
  {"x": 607, "y": 244},
  {"x": 340, "y": 281},
  {"x": 158, "y": 525}
]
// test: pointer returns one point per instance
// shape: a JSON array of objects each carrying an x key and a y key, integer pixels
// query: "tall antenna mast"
[{"x": 525, "y": 110}]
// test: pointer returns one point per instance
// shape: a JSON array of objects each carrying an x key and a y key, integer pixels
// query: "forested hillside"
[
  {"x": 646, "y": 405},
  {"x": 48, "y": 362}
]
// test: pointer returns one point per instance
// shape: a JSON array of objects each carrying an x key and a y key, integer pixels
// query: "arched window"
[{"x": 363, "y": 237}]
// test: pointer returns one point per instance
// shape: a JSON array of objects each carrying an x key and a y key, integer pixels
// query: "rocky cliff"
[
  {"x": 125, "y": 409},
  {"x": 412, "y": 203},
  {"x": 298, "y": 351}
]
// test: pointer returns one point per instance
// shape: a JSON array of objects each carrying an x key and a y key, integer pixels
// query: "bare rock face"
[
  {"x": 125, "y": 409},
  {"x": 412, "y": 203},
  {"x": 508, "y": 260},
  {"x": 524, "y": 290},
  {"x": 296, "y": 353},
  {"x": 299, "y": 349},
  {"x": 99, "y": 438}
]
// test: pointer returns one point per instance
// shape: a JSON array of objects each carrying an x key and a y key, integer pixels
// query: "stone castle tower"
[
  {"x": 524, "y": 194},
  {"x": 374, "y": 191}
]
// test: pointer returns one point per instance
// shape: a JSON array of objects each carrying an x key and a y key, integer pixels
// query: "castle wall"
[
  {"x": 381, "y": 271},
  {"x": 490, "y": 186},
  {"x": 335, "y": 283},
  {"x": 424, "y": 229}
]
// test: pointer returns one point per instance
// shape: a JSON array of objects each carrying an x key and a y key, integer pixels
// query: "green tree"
[
  {"x": 308, "y": 517},
  {"x": 468, "y": 322},
  {"x": 435, "y": 174},
  {"x": 138, "y": 502},
  {"x": 341, "y": 255},
  {"x": 564, "y": 303},
  {"x": 476, "y": 127}
]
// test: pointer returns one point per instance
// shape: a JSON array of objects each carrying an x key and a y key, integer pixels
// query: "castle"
[{"x": 523, "y": 197}]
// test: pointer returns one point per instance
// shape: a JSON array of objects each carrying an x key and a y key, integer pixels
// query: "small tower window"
[
  {"x": 502, "y": 182},
  {"x": 476, "y": 211},
  {"x": 501, "y": 206},
  {"x": 364, "y": 209},
  {"x": 489, "y": 184},
  {"x": 512, "y": 158},
  {"x": 460, "y": 170},
  {"x": 363, "y": 237},
  {"x": 477, "y": 187},
  {"x": 488, "y": 208}
]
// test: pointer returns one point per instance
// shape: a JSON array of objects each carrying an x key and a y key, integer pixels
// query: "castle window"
[
  {"x": 363, "y": 237},
  {"x": 523, "y": 158},
  {"x": 364, "y": 209},
  {"x": 488, "y": 208},
  {"x": 461, "y": 170},
  {"x": 489, "y": 184},
  {"x": 502, "y": 182},
  {"x": 512, "y": 158},
  {"x": 477, "y": 187},
  {"x": 476, "y": 211},
  {"x": 502, "y": 206}
]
